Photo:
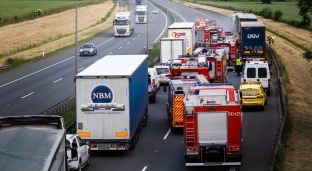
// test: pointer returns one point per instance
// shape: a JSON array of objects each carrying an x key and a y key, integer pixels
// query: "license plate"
[
  {"x": 249, "y": 99},
  {"x": 85, "y": 52}
]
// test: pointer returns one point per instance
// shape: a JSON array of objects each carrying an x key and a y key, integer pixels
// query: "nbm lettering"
[{"x": 102, "y": 96}]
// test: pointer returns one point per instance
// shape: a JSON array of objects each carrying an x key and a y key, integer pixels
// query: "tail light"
[
  {"x": 269, "y": 82},
  {"x": 244, "y": 80},
  {"x": 153, "y": 81}
]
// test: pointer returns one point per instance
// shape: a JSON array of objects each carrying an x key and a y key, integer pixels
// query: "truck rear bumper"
[{"x": 214, "y": 164}]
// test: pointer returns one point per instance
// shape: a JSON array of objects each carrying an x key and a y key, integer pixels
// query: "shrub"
[
  {"x": 266, "y": 12},
  {"x": 37, "y": 13},
  {"x": 307, "y": 55},
  {"x": 278, "y": 15},
  {"x": 9, "y": 61}
]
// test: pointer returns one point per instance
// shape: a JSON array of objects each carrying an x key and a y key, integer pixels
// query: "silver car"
[
  {"x": 88, "y": 49},
  {"x": 155, "y": 11}
]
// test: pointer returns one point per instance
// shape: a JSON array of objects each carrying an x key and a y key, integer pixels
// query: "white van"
[
  {"x": 154, "y": 77},
  {"x": 161, "y": 72},
  {"x": 258, "y": 70}
]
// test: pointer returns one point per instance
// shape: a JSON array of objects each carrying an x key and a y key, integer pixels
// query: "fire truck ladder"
[
  {"x": 202, "y": 79},
  {"x": 190, "y": 131},
  {"x": 219, "y": 68}
]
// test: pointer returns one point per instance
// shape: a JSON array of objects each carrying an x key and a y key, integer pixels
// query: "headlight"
[
  {"x": 80, "y": 50},
  {"x": 91, "y": 50}
]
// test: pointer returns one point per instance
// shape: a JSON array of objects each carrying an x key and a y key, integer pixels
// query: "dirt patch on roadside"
[
  {"x": 25, "y": 34},
  {"x": 299, "y": 89},
  {"x": 66, "y": 41}
]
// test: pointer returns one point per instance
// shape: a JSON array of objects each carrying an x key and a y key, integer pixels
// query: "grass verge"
[
  {"x": 18, "y": 62},
  {"x": 69, "y": 116},
  {"x": 22, "y": 9}
]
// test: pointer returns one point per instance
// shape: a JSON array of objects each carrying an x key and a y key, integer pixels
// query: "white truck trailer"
[
  {"x": 124, "y": 23},
  {"x": 112, "y": 102},
  {"x": 171, "y": 48},
  {"x": 141, "y": 14},
  {"x": 183, "y": 30}
]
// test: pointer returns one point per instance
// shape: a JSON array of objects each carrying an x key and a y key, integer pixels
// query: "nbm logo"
[
  {"x": 253, "y": 36},
  {"x": 102, "y": 94}
]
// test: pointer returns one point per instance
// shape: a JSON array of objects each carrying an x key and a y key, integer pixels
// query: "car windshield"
[
  {"x": 121, "y": 22},
  {"x": 162, "y": 71},
  {"x": 140, "y": 13},
  {"x": 87, "y": 46}
]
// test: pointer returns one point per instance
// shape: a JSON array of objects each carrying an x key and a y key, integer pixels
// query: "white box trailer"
[
  {"x": 171, "y": 48},
  {"x": 183, "y": 30},
  {"x": 112, "y": 101}
]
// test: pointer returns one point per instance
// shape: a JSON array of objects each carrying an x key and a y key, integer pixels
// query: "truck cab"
[
  {"x": 141, "y": 14},
  {"x": 124, "y": 24}
]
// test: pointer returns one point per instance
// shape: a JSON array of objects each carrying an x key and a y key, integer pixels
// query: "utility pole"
[{"x": 76, "y": 39}]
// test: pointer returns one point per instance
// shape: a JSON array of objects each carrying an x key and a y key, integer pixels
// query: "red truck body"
[{"x": 212, "y": 126}]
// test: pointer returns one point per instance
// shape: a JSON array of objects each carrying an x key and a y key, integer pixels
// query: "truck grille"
[{"x": 121, "y": 31}]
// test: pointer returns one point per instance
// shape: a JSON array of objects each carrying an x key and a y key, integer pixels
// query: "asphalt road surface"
[
  {"x": 32, "y": 89},
  {"x": 160, "y": 149}
]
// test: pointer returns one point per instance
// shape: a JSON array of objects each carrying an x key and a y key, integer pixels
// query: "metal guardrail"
[
  {"x": 282, "y": 109},
  {"x": 6, "y": 66}
]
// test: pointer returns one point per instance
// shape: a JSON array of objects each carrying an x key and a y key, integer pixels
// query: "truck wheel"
[{"x": 88, "y": 161}]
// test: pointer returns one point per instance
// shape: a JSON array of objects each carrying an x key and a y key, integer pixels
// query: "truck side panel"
[
  {"x": 100, "y": 123},
  {"x": 253, "y": 38},
  {"x": 138, "y": 96}
]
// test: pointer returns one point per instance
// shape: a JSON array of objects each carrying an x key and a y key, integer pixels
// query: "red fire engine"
[
  {"x": 177, "y": 90},
  {"x": 202, "y": 32},
  {"x": 228, "y": 42},
  {"x": 212, "y": 126}
]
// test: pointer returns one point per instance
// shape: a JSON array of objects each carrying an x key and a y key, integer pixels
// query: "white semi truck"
[
  {"x": 141, "y": 14},
  {"x": 112, "y": 102},
  {"x": 124, "y": 23},
  {"x": 171, "y": 48}
]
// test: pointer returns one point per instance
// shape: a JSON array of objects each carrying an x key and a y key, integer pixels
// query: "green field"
[
  {"x": 289, "y": 9},
  {"x": 13, "y": 11}
]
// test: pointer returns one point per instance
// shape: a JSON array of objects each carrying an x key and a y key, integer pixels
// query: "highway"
[
  {"x": 160, "y": 149},
  {"x": 35, "y": 88},
  {"x": 32, "y": 89}
]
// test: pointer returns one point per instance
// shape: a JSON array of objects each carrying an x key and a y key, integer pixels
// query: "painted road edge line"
[
  {"x": 167, "y": 134},
  {"x": 57, "y": 80}
]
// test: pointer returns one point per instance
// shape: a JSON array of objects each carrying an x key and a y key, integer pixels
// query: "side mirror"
[
  {"x": 80, "y": 47},
  {"x": 94, "y": 47},
  {"x": 87, "y": 142}
]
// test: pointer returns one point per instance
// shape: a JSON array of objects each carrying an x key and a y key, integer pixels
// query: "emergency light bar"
[{"x": 212, "y": 84}]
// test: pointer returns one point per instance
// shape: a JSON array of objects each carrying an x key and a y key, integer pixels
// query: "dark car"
[
  {"x": 152, "y": 90},
  {"x": 88, "y": 49}
]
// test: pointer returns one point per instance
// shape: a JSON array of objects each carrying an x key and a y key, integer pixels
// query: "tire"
[
  {"x": 79, "y": 166},
  {"x": 262, "y": 108},
  {"x": 88, "y": 161},
  {"x": 268, "y": 93}
]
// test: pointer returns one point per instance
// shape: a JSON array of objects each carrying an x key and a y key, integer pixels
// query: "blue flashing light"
[
  {"x": 212, "y": 84},
  {"x": 192, "y": 77}
]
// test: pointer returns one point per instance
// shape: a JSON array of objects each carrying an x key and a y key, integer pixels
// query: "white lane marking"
[
  {"x": 110, "y": 53},
  {"x": 232, "y": 168},
  {"x": 57, "y": 80},
  {"x": 165, "y": 28},
  {"x": 80, "y": 69},
  {"x": 119, "y": 47},
  {"x": 143, "y": 31},
  {"x": 28, "y": 95},
  {"x": 167, "y": 134},
  {"x": 133, "y": 38},
  {"x": 105, "y": 42},
  {"x": 144, "y": 168},
  {"x": 128, "y": 42},
  {"x": 36, "y": 71}
]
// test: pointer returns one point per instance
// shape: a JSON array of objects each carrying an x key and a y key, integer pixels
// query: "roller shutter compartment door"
[{"x": 212, "y": 127}]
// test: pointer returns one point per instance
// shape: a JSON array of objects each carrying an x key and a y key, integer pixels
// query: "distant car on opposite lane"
[
  {"x": 88, "y": 49},
  {"x": 155, "y": 11}
]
